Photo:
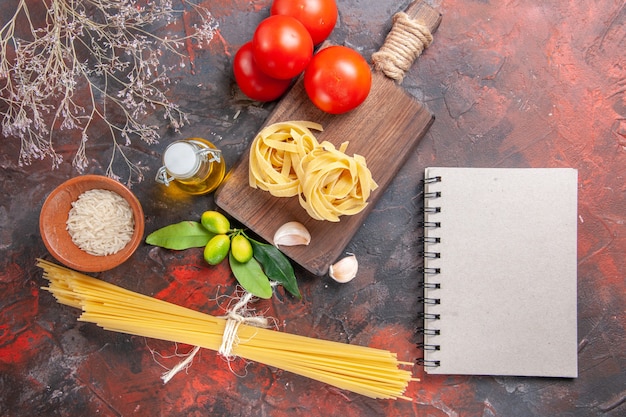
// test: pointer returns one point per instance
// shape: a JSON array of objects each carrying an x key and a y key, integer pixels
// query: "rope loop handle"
[{"x": 405, "y": 42}]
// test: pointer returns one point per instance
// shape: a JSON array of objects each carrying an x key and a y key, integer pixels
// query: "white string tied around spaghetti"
[
  {"x": 234, "y": 318},
  {"x": 405, "y": 42}
]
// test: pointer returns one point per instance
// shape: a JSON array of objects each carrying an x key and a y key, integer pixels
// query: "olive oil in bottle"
[{"x": 194, "y": 165}]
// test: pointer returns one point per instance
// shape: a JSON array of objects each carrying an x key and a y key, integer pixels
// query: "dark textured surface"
[{"x": 512, "y": 84}]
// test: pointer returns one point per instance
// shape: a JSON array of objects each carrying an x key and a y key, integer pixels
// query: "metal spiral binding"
[
  {"x": 429, "y": 301},
  {"x": 428, "y": 363},
  {"x": 429, "y": 271},
  {"x": 432, "y": 179},
  {"x": 427, "y": 330},
  {"x": 426, "y": 346},
  {"x": 428, "y": 316},
  {"x": 429, "y": 285}
]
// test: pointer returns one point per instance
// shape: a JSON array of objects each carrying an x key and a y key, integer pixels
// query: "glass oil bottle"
[{"x": 194, "y": 165}]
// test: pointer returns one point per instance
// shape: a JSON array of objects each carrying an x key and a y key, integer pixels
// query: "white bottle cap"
[{"x": 180, "y": 160}]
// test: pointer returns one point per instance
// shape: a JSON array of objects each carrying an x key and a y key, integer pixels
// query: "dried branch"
[{"x": 89, "y": 61}]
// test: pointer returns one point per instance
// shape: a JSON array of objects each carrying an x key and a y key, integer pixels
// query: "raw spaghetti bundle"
[{"x": 367, "y": 371}]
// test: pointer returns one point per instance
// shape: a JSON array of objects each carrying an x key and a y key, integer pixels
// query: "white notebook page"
[{"x": 508, "y": 272}]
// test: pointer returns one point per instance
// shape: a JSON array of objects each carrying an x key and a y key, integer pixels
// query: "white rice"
[{"x": 100, "y": 222}]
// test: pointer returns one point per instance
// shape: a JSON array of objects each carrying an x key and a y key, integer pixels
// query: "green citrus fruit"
[
  {"x": 241, "y": 249},
  {"x": 216, "y": 250},
  {"x": 215, "y": 222}
]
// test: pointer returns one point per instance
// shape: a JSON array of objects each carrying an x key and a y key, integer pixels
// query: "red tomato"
[
  {"x": 253, "y": 82},
  {"x": 282, "y": 46},
  {"x": 338, "y": 79},
  {"x": 318, "y": 16}
]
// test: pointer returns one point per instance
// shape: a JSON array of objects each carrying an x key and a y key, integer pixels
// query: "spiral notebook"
[{"x": 500, "y": 271}]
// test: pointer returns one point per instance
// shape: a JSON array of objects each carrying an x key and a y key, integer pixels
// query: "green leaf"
[
  {"x": 179, "y": 236},
  {"x": 276, "y": 266},
  {"x": 251, "y": 277}
]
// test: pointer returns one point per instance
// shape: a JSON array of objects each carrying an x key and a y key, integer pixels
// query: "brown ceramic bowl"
[{"x": 54, "y": 215}]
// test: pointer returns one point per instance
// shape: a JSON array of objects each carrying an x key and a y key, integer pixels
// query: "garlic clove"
[
  {"x": 345, "y": 269},
  {"x": 292, "y": 234}
]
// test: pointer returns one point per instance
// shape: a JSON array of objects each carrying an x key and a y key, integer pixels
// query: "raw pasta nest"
[
  {"x": 336, "y": 184},
  {"x": 287, "y": 160},
  {"x": 276, "y": 153}
]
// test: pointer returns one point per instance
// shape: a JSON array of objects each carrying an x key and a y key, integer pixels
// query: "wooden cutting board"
[{"x": 384, "y": 129}]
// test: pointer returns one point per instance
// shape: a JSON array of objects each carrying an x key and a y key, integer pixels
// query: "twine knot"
[
  {"x": 233, "y": 320},
  {"x": 405, "y": 42},
  {"x": 236, "y": 316}
]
